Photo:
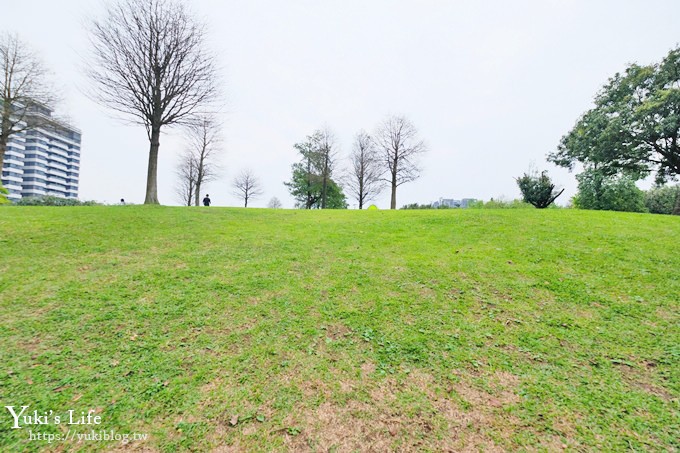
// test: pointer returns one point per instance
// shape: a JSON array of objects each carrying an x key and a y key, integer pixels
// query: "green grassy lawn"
[{"x": 234, "y": 329}]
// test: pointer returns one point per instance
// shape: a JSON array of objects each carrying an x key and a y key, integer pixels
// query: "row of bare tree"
[
  {"x": 148, "y": 62},
  {"x": 388, "y": 158},
  {"x": 198, "y": 165}
]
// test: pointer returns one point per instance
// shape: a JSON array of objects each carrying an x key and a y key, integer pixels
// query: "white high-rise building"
[{"x": 44, "y": 160}]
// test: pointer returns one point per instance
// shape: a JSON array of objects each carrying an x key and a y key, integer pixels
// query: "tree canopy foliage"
[
  {"x": 599, "y": 191},
  {"x": 633, "y": 127},
  {"x": 311, "y": 183},
  {"x": 662, "y": 199}
]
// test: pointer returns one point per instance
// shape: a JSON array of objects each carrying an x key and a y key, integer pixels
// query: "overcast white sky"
[{"x": 491, "y": 85}]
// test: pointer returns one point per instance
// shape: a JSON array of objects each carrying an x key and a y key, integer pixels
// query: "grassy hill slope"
[{"x": 343, "y": 330}]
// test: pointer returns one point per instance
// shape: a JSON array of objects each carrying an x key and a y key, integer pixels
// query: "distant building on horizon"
[
  {"x": 451, "y": 203},
  {"x": 44, "y": 160}
]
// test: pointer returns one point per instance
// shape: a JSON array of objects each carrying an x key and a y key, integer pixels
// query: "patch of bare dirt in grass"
[
  {"x": 337, "y": 331},
  {"x": 132, "y": 447},
  {"x": 640, "y": 377},
  {"x": 411, "y": 412},
  {"x": 388, "y": 422},
  {"x": 367, "y": 368}
]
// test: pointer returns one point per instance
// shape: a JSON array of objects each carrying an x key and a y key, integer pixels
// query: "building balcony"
[
  {"x": 14, "y": 153},
  {"x": 33, "y": 193},
  {"x": 58, "y": 174},
  {"x": 10, "y": 178},
  {"x": 11, "y": 186},
  {"x": 56, "y": 166},
  {"x": 57, "y": 187},
  {"x": 56, "y": 158},
  {"x": 59, "y": 152},
  {"x": 54, "y": 180},
  {"x": 38, "y": 159}
]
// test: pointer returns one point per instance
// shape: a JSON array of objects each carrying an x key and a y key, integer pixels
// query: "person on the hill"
[{"x": 206, "y": 200}]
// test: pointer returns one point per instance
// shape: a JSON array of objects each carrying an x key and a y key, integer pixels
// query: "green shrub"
[
  {"x": 417, "y": 206},
  {"x": 662, "y": 199},
  {"x": 53, "y": 201},
  {"x": 3, "y": 195},
  {"x": 500, "y": 204},
  {"x": 538, "y": 189},
  {"x": 608, "y": 193}
]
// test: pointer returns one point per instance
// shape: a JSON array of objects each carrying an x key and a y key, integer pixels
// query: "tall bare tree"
[
  {"x": 197, "y": 166},
  {"x": 364, "y": 177},
  {"x": 23, "y": 88},
  {"x": 399, "y": 146},
  {"x": 186, "y": 173},
  {"x": 204, "y": 141},
  {"x": 246, "y": 186},
  {"x": 149, "y": 62}
]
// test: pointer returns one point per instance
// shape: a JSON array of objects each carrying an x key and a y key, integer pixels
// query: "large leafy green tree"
[{"x": 634, "y": 127}]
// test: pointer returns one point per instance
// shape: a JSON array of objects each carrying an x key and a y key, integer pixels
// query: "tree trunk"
[
  {"x": 393, "y": 201},
  {"x": 394, "y": 170},
  {"x": 152, "y": 172},
  {"x": 246, "y": 201},
  {"x": 676, "y": 209},
  {"x": 197, "y": 193},
  {"x": 324, "y": 185},
  {"x": 200, "y": 174},
  {"x": 3, "y": 148},
  {"x": 361, "y": 189},
  {"x": 324, "y": 188},
  {"x": 4, "y": 138}
]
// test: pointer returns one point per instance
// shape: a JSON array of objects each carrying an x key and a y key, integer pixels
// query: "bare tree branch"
[
  {"x": 326, "y": 153},
  {"x": 186, "y": 184},
  {"x": 149, "y": 63},
  {"x": 399, "y": 146},
  {"x": 274, "y": 203},
  {"x": 197, "y": 164},
  {"x": 363, "y": 180},
  {"x": 204, "y": 144},
  {"x": 246, "y": 186},
  {"x": 24, "y": 90}
]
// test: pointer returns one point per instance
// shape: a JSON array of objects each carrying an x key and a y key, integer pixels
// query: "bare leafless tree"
[
  {"x": 203, "y": 144},
  {"x": 186, "y": 173},
  {"x": 274, "y": 203},
  {"x": 246, "y": 186},
  {"x": 149, "y": 62},
  {"x": 326, "y": 154},
  {"x": 399, "y": 147},
  {"x": 197, "y": 164},
  {"x": 24, "y": 90},
  {"x": 363, "y": 181}
]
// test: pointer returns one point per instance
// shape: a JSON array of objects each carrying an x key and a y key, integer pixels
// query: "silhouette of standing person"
[{"x": 206, "y": 200}]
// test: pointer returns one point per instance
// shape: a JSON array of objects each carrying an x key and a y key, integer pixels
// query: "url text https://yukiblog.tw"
[{"x": 87, "y": 436}]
